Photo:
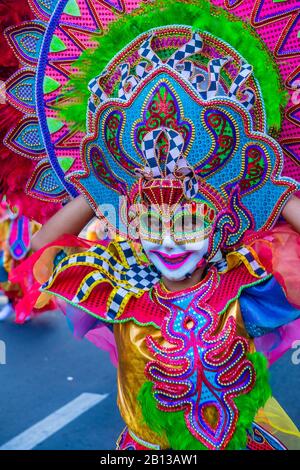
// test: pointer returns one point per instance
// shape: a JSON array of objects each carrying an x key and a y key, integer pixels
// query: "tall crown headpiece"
[{"x": 181, "y": 105}]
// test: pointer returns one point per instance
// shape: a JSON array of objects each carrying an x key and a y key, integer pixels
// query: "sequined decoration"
[{"x": 201, "y": 371}]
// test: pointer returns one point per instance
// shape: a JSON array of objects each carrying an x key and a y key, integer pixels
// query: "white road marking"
[{"x": 42, "y": 430}]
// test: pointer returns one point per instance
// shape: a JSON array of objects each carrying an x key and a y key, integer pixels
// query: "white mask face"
[{"x": 173, "y": 261}]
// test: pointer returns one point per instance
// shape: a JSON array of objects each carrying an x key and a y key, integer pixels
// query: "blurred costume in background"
[
  {"x": 17, "y": 162},
  {"x": 186, "y": 138},
  {"x": 15, "y": 241}
]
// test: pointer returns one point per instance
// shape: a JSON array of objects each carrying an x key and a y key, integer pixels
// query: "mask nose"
[{"x": 168, "y": 243}]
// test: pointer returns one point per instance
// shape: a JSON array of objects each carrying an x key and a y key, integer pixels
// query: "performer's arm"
[
  {"x": 71, "y": 219},
  {"x": 291, "y": 212}
]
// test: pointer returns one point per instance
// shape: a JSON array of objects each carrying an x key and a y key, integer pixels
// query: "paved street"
[{"x": 47, "y": 369}]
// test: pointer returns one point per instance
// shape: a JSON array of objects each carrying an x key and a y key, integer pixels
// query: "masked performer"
[{"x": 179, "y": 161}]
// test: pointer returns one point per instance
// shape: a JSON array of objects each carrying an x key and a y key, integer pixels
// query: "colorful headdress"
[
  {"x": 183, "y": 107},
  {"x": 200, "y": 65}
]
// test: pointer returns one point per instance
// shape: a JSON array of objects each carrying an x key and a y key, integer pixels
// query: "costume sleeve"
[{"x": 265, "y": 308}]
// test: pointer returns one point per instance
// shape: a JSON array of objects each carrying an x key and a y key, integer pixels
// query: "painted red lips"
[{"x": 172, "y": 261}]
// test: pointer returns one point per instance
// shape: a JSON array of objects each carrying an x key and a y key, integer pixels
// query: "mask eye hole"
[
  {"x": 186, "y": 223},
  {"x": 151, "y": 224}
]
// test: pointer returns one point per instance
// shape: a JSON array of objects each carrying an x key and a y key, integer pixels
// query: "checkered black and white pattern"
[
  {"x": 149, "y": 146},
  {"x": 249, "y": 102},
  {"x": 128, "y": 82},
  {"x": 93, "y": 85},
  {"x": 142, "y": 70},
  {"x": 128, "y": 253},
  {"x": 175, "y": 160},
  {"x": 176, "y": 144},
  {"x": 146, "y": 52},
  {"x": 126, "y": 276},
  {"x": 206, "y": 88},
  {"x": 198, "y": 81},
  {"x": 257, "y": 269},
  {"x": 191, "y": 186},
  {"x": 89, "y": 283},
  {"x": 95, "y": 89},
  {"x": 214, "y": 67},
  {"x": 186, "y": 69},
  {"x": 131, "y": 280},
  {"x": 245, "y": 71},
  {"x": 192, "y": 47},
  {"x": 116, "y": 302},
  {"x": 91, "y": 104},
  {"x": 89, "y": 259},
  {"x": 141, "y": 277}
]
